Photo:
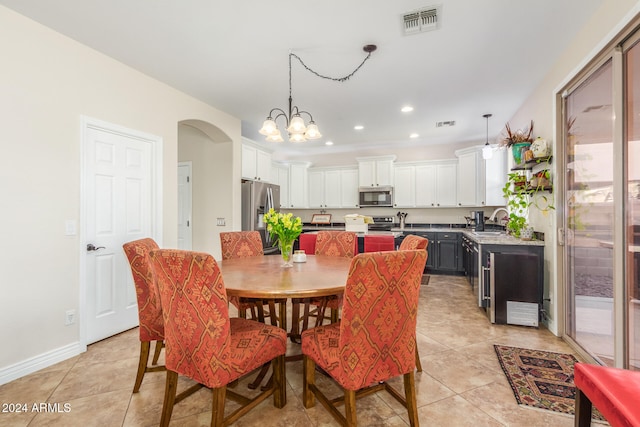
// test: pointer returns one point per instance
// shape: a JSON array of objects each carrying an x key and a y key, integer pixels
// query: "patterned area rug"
[{"x": 541, "y": 379}]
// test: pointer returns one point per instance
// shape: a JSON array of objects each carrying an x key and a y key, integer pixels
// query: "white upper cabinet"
[
  {"x": 298, "y": 185},
  {"x": 280, "y": 176},
  {"x": 256, "y": 163},
  {"x": 333, "y": 188},
  {"x": 436, "y": 184},
  {"x": 405, "y": 186},
  {"x": 480, "y": 181},
  {"x": 375, "y": 171},
  {"x": 349, "y": 197}
]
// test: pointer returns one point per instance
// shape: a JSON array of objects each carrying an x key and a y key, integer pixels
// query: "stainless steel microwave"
[{"x": 376, "y": 196}]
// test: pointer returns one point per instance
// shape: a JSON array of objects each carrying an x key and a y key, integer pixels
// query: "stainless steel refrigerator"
[{"x": 257, "y": 198}]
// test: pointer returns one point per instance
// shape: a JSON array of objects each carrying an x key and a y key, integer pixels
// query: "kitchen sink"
[{"x": 488, "y": 233}]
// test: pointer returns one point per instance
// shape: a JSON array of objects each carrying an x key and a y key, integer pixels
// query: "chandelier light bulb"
[
  {"x": 269, "y": 127},
  {"x": 297, "y": 137},
  {"x": 297, "y": 125},
  {"x": 312, "y": 131},
  {"x": 277, "y": 137}
]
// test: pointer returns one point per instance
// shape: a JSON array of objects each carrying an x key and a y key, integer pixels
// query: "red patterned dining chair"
[
  {"x": 246, "y": 244},
  {"x": 336, "y": 244},
  {"x": 412, "y": 242},
  {"x": 203, "y": 343},
  {"x": 149, "y": 309},
  {"x": 375, "y": 339}
]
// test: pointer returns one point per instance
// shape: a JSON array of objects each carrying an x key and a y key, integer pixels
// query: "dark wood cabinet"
[{"x": 445, "y": 252}]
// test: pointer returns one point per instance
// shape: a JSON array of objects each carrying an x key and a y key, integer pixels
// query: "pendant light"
[{"x": 487, "y": 150}]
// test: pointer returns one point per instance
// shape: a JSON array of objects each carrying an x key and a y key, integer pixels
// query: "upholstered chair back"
[
  {"x": 375, "y": 243},
  {"x": 337, "y": 243},
  {"x": 240, "y": 244},
  {"x": 414, "y": 242},
  {"x": 149, "y": 307},
  {"x": 194, "y": 302},
  {"x": 379, "y": 314}
]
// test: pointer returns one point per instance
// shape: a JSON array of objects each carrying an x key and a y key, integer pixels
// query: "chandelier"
[{"x": 297, "y": 129}]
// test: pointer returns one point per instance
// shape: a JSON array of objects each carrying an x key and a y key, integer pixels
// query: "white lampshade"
[
  {"x": 296, "y": 125},
  {"x": 297, "y": 137},
  {"x": 277, "y": 137},
  {"x": 312, "y": 131},
  {"x": 487, "y": 151},
  {"x": 269, "y": 127}
]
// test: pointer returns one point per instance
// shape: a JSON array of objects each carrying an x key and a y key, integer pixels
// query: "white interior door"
[
  {"x": 119, "y": 206},
  {"x": 184, "y": 206}
]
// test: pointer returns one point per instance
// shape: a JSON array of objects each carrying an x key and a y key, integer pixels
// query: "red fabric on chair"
[
  {"x": 378, "y": 243},
  {"x": 613, "y": 391},
  {"x": 202, "y": 342},
  {"x": 307, "y": 242},
  {"x": 414, "y": 242},
  {"x": 375, "y": 339},
  {"x": 337, "y": 243},
  {"x": 240, "y": 244},
  {"x": 149, "y": 308}
]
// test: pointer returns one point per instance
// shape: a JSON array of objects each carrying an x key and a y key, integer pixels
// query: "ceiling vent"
[
  {"x": 445, "y": 124},
  {"x": 425, "y": 19}
]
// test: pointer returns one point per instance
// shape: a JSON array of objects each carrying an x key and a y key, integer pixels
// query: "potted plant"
[
  {"x": 516, "y": 193},
  {"x": 521, "y": 195},
  {"x": 519, "y": 141}
]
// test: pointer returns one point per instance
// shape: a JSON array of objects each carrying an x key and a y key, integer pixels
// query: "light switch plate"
[
  {"x": 70, "y": 228},
  {"x": 221, "y": 222}
]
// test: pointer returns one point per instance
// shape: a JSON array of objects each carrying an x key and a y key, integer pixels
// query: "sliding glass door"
[
  {"x": 632, "y": 188},
  {"x": 601, "y": 164},
  {"x": 589, "y": 207}
]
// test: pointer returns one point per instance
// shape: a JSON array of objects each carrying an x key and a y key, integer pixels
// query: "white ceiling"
[{"x": 487, "y": 57}]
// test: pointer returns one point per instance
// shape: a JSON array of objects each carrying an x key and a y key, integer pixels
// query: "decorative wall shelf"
[{"x": 532, "y": 163}]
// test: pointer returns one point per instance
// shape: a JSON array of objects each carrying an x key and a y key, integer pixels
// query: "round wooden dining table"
[{"x": 264, "y": 277}]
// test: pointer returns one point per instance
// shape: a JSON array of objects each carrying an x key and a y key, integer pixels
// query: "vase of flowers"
[{"x": 284, "y": 229}]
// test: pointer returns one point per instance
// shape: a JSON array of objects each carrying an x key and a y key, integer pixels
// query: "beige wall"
[
  {"x": 540, "y": 107},
  {"x": 210, "y": 176},
  {"x": 47, "y": 82}
]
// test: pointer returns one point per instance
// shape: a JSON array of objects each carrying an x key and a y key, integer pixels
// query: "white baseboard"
[{"x": 33, "y": 364}]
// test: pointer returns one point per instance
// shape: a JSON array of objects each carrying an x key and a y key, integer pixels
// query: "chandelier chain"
[{"x": 335, "y": 79}]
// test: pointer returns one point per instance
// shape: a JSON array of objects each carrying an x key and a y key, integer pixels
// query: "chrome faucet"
[{"x": 493, "y": 215}]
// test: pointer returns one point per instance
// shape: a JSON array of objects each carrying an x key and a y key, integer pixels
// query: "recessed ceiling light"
[
  {"x": 328, "y": 143},
  {"x": 407, "y": 109},
  {"x": 358, "y": 127},
  {"x": 414, "y": 135}
]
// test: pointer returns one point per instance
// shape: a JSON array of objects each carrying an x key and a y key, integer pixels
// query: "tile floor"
[{"x": 462, "y": 383}]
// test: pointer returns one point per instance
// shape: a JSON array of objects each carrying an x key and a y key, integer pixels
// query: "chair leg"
[
  {"x": 279, "y": 382},
  {"x": 308, "y": 380},
  {"x": 410, "y": 397},
  {"x": 156, "y": 353},
  {"x": 582, "y": 409},
  {"x": 142, "y": 364},
  {"x": 418, "y": 363},
  {"x": 350, "y": 408},
  {"x": 169, "y": 397},
  {"x": 217, "y": 409}
]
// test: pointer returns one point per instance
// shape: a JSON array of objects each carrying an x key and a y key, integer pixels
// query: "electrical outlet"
[
  {"x": 69, "y": 317},
  {"x": 221, "y": 222}
]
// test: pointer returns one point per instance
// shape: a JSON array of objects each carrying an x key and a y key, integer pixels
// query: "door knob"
[{"x": 91, "y": 247}]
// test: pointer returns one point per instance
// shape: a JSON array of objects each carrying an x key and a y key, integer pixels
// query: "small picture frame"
[{"x": 321, "y": 219}]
